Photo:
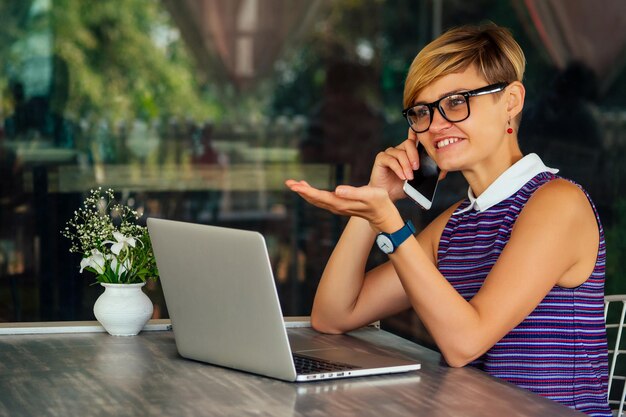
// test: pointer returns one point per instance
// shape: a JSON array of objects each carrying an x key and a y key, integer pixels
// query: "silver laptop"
[{"x": 222, "y": 301}]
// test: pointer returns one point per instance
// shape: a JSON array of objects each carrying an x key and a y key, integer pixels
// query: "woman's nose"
[{"x": 439, "y": 122}]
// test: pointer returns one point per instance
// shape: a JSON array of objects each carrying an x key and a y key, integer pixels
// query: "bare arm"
[
  {"x": 554, "y": 242},
  {"x": 348, "y": 297},
  {"x": 344, "y": 286}
]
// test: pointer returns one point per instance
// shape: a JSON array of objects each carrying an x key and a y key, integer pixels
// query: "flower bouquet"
[
  {"x": 114, "y": 247},
  {"x": 118, "y": 251}
]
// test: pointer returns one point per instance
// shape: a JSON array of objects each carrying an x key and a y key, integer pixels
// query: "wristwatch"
[{"x": 389, "y": 242}]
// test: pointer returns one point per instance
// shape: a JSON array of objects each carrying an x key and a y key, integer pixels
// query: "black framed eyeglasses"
[{"x": 454, "y": 107}]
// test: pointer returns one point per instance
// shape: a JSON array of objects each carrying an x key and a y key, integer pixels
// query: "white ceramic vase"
[{"x": 123, "y": 309}]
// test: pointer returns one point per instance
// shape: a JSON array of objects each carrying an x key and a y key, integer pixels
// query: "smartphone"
[{"x": 424, "y": 183}]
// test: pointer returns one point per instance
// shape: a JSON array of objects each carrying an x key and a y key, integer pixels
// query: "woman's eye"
[
  {"x": 455, "y": 101},
  {"x": 422, "y": 112}
]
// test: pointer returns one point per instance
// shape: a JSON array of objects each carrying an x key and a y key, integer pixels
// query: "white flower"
[
  {"x": 124, "y": 266},
  {"x": 96, "y": 261},
  {"x": 122, "y": 243}
]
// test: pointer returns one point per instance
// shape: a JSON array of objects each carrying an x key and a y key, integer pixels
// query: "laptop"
[{"x": 224, "y": 308}]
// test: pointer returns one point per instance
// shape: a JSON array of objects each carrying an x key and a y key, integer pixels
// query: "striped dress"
[{"x": 559, "y": 351}]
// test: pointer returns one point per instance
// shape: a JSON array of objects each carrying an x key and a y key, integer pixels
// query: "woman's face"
[{"x": 461, "y": 145}]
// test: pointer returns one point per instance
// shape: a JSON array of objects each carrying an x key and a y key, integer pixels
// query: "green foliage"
[{"x": 123, "y": 63}]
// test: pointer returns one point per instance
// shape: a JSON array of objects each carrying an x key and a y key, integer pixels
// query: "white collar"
[{"x": 507, "y": 183}]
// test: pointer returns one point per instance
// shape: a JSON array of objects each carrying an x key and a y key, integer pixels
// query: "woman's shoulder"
[
  {"x": 560, "y": 219},
  {"x": 561, "y": 198},
  {"x": 561, "y": 190}
]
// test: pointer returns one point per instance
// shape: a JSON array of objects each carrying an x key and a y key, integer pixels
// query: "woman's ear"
[{"x": 515, "y": 98}]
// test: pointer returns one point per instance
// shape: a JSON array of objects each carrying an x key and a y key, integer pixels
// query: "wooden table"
[{"x": 74, "y": 369}]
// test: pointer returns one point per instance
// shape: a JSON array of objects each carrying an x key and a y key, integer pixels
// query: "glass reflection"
[{"x": 198, "y": 110}]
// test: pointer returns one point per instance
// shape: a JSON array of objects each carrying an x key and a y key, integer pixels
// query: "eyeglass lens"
[{"x": 453, "y": 108}]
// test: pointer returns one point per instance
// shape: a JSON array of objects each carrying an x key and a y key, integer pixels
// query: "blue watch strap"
[
  {"x": 403, "y": 234},
  {"x": 398, "y": 237}
]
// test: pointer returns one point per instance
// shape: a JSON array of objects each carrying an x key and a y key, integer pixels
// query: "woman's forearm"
[
  {"x": 455, "y": 327},
  {"x": 343, "y": 277}
]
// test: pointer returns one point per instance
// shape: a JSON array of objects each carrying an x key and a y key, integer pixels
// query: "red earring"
[{"x": 510, "y": 129}]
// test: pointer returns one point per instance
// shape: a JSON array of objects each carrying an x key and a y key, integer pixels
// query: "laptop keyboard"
[{"x": 307, "y": 365}]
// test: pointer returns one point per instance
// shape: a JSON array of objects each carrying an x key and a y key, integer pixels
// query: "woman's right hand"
[{"x": 395, "y": 165}]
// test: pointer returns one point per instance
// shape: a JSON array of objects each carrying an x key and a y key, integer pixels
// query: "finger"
[
  {"x": 314, "y": 195},
  {"x": 315, "y": 202},
  {"x": 332, "y": 202},
  {"x": 312, "y": 199},
  {"x": 291, "y": 183},
  {"x": 345, "y": 191},
  {"x": 400, "y": 153},
  {"x": 365, "y": 194},
  {"x": 410, "y": 147},
  {"x": 388, "y": 161},
  {"x": 366, "y": 202},
  {"x": 345, "y": 201},
  {"x": 412, "y": 135}
]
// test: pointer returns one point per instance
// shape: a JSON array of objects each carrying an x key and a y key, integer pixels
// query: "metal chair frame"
[{"x": 616, "y": 351}]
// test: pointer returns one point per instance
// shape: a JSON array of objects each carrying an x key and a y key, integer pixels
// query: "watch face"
[{"x": 384, "y": 243}]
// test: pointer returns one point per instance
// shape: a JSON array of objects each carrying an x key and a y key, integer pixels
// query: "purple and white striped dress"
[{"x": 559, "y": 351}]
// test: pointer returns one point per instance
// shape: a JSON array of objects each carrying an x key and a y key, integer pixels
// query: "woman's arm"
[
  {"x": 554, "y": 242},
  {"x": 339, "y": 298},
  {"x": 347, "y": 297}
]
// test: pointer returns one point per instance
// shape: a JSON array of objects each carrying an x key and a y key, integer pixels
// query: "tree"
[{"x": 123, "y": 60}]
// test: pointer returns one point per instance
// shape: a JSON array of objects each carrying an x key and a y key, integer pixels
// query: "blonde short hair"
[{"x": 489, "y": 47}]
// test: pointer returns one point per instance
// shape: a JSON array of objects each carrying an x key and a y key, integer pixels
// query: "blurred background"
[{"x": 198, "y": 110}]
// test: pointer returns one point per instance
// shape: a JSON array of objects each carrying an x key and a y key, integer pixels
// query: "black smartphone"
[{"x": 423, "y": 186}]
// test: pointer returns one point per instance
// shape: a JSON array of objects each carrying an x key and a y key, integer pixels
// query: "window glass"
[{"x": 198, "y": 111}]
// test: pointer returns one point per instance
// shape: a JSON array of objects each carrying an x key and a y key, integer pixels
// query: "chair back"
[{"x": 617, "y": 373}]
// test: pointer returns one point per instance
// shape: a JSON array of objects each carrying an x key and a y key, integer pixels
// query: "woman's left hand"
[{"x": 370, "y": 203}]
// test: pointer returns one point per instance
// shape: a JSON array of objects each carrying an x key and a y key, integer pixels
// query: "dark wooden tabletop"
[{"x": 94, "y": 374}]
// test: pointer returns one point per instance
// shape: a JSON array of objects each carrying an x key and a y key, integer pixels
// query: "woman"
[{"x": 510, "y": 279}]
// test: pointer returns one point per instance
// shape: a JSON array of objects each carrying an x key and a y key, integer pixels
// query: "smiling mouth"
[{"x": 445, "y": 142}]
